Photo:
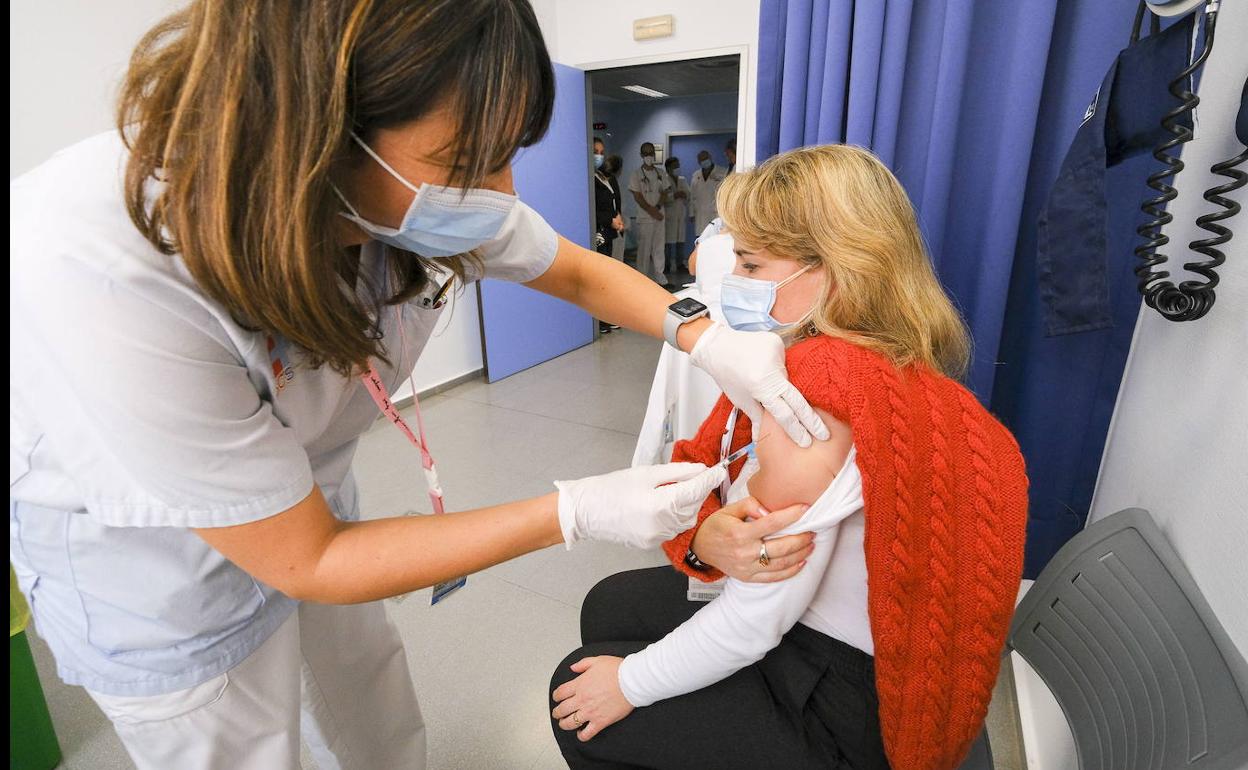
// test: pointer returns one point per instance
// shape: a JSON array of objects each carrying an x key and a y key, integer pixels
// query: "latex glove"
[
  {"x": 749, "y": 368},
  {"x": 632, "y": 507}
]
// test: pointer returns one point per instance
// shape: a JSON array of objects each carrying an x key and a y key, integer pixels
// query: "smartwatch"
[{"x": 678, "y": 314}]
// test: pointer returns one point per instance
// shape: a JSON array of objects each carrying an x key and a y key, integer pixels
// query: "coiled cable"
[{"x": 1190, "y": 299}]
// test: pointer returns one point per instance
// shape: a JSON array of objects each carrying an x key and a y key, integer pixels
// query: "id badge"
[
  {"x": 704, "y": 592},
  {"x": 443, "y": 590},
  {"x": 440, "y": 590}
]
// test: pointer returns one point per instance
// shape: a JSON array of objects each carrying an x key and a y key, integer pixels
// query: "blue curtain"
[{"x": 972, "y": 104}]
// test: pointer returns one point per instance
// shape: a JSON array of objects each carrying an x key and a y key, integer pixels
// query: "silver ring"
[{"x": 763, "y": 558}]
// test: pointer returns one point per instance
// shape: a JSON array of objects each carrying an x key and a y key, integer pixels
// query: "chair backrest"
[{"x": 1144, "y": 673}]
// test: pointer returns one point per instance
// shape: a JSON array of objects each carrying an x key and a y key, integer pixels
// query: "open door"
[{"x": 520, "y": 327}]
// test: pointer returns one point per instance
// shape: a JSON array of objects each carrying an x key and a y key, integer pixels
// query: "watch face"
[{"x": 687, "y": 307}]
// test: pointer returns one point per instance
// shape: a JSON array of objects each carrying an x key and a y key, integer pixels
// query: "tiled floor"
[{"x": 481, "y": 659}]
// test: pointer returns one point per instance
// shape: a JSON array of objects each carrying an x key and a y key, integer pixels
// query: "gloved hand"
[
  {"x": 749, "y": 367},
  {"x": 630, "y": 507}
]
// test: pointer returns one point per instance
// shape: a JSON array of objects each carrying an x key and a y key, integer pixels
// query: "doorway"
[{"x": 681, "y": 107}]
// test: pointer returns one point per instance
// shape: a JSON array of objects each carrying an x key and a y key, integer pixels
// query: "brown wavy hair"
[
  {"x": 237, "y": 112},
  {"x": 838, "y": 206}
]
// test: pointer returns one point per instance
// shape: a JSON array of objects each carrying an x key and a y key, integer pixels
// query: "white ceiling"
[{"x": 690, "y": 77}]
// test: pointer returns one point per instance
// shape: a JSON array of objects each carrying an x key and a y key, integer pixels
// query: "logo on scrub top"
[
  {"x": 1091, "y": 110},
  {"x": 279, "y": 359}
]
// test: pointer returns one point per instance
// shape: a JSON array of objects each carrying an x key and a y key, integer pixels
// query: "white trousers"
[
  {"x": 339, "y": 673},
  {"x": 651, "y": 238}
]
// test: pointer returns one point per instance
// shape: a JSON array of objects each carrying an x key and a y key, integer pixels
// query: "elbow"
[
  {"x": 319, "y": 592},
  {"x": 304, "y": 589},
  {"x": 313, "y": 582}
]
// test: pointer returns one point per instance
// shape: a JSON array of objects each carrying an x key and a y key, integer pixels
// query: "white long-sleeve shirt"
[{"x": 748, "y": 620}]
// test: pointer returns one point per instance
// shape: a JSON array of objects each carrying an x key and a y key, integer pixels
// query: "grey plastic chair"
[{"x": 1145, "y": 674}]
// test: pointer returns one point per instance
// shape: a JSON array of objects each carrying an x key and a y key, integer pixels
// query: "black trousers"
[
  {"x": 810, "y": 703},
  {"x": 605, "y": 247}
]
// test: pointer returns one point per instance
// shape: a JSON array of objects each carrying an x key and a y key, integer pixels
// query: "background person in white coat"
[
  {"x": 675, "y": 217},
  {"x": 703, "y": 187},
  {"x": 648, "y": 184}
]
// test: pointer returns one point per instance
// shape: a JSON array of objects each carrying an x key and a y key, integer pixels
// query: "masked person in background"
[
  {"x": 703, "y": 189},
  {"x": 675, "y": 220},
  {"x": 648, "y": 184},
  {"x": 608, "y": 221},
  {"x": 611, "y": 168}
]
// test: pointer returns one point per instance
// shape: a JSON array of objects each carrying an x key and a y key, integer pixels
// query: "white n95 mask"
[
  {"x": 441, "y": 221},
  {"x": 747, "y": 302}
]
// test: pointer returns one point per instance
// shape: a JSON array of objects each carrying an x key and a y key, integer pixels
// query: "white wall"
[
  {"x": 590, "y": 34},
  {"x": 546, "y": 11},
  {"x": 1178, "y": 443},
  {"x": 66, "y": 58},
  {"x": 454, "y": 350}
]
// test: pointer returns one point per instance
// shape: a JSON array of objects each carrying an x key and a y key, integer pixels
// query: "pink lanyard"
[{"x": 376, "y": 389}]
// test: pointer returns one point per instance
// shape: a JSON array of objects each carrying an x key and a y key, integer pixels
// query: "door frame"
[
  {"x": 702, "y": 132},
  {"x": 743, "y": 84}
]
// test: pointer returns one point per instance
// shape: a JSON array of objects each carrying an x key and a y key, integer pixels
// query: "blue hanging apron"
[{"x": 1123, "y": 120}]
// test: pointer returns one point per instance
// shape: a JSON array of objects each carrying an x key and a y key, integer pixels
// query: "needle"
[{"x": 737, "y": 455}]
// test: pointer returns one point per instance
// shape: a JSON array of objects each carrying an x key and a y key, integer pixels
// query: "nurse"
[
  {"x": 207, "y": 308},
  {"x": 703, "y": 187}
]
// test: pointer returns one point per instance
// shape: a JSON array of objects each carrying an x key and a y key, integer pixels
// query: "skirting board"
[{"x": 475, "y": 374}]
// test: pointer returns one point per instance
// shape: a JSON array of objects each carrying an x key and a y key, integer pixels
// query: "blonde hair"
[{"x": 838, "y": 206}]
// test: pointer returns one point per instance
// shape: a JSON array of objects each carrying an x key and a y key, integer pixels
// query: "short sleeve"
[
  {"x": 524, "y": 249},
  {"x": 141, "y": 400}
]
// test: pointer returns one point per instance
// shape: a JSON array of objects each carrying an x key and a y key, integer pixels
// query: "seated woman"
[{"x": 883, "y": 649}]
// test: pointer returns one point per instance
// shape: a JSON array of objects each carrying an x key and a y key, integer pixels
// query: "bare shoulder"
[{"x": 789, "y": 474}]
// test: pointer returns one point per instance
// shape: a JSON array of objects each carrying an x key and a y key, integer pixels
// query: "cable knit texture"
[{"x": 945, "y": 495}]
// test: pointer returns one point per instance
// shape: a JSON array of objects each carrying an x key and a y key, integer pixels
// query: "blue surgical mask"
[
  {"x": 747, "y": 302},
  {"x": 707, "y": 164},
  {"x": 598, "y": 159},
  {"x": 441, "y": 221},
  {"x": 647, "y": 160}
]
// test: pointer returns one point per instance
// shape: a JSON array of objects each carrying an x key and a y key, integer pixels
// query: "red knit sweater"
[{"x": 945, "y": 497}]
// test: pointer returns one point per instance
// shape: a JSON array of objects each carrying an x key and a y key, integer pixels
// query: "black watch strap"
[{"x": 692, "y": 560}]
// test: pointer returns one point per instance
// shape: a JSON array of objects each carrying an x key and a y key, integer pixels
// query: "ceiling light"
[{"x": 645, "y": 91}]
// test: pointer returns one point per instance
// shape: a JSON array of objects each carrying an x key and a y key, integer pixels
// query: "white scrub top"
[
  {"x": 702, "y": 194},
  {"x": 650, "y": 183},
  {"x": 675, "y": 211},
  {"x": 139, "y": 408}
]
